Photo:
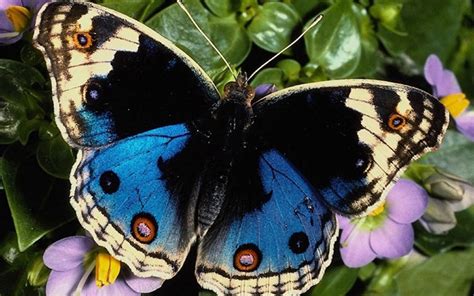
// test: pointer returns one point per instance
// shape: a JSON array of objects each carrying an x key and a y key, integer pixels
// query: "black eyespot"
[
  {"x": 298, "y": 242},
  {"x": 363, "y": 161},
  {"x": 109, "y": 182},
  {"x": 93, "y": 93}
]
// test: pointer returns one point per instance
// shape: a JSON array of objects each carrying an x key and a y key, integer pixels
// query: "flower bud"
[
  {"x": 446, "y": 186},
  {"x": 38, "y": 273},
  {"x": 438, "y": 217}
]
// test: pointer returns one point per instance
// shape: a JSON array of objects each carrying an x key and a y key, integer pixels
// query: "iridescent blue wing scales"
[
  {"x": 283, "y": 246},
  {"x": 123, "y": 197}
]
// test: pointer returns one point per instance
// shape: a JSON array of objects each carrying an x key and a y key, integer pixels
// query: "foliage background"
[{"x": 382, "y": 39}]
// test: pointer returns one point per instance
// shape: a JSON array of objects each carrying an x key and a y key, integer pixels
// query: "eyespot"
[
  {"x": 247, "y": 258},
  {"x": 82, "y": 40},
  {"x": 92, "y": 92},
  {"x": 144, "y": 228},
  {"x": 109, "y": 182},
  {"x": 396, "y": 121},
  {"x": 298, "y": 242}
]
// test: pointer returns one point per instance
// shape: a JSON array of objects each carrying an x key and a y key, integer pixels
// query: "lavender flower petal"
[
  {"x": 63, "y": 282},
  {"x": 406, "y": 202},
  {"x": 355, "y": 249},
  {"x": 264, "y": 89},
  {"x": 142, "y": 285},
  {"x": 447, "y": 85},
  {"x": 433, "y": 69},
  {"x": 443, "y": 81},
  {"x": 118, "y": 288},
  {"x": 4, "y": 4},
  {"x": 343, "y": 221},
  {"x": 67, "y": 253},
  {"x": 392, "y": 240},
  {"x": 465, "y": 124}
]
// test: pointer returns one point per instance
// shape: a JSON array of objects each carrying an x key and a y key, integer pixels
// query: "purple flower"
[
  {"x": 73, "y": 260},
  {"x": 386, "y": 232},
  {"x": 446, "y": 88},
  {"x": 264, "y": 89},
  {"x": 15, "y": 17}
]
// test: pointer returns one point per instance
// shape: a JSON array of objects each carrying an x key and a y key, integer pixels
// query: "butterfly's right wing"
[
  {"x": 350, "y": 139},
  {"x": 113, "y": 77}
]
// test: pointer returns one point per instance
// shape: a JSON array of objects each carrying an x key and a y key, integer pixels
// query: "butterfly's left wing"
[{"x": 350, "y": 138}]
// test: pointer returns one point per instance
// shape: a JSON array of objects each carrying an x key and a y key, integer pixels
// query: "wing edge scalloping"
[
  {"x": 402, "y": 169},
  {"x": 84, "y": 156},
  {"x": 308, "y": 285},
  {"x": 135, "y": 25}
]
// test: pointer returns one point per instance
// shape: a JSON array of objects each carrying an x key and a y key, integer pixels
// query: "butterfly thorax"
[{"x": 226, "y": 133}]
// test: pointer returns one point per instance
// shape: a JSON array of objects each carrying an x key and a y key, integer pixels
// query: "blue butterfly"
[{"x": 165, "y": 162}]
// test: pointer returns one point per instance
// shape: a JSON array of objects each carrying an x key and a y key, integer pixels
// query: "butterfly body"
[{"x": 165, "y": 162}]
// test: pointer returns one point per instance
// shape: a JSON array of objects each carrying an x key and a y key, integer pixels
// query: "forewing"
[
  {"x": 352, "y": 138},
  {"x": 113, "y": 77}
]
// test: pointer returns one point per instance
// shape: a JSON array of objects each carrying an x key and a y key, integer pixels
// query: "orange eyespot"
[
  {"x": 82, "y": 40},
  {"x": 396, "y": 121},
  {"x": 144, "y": 228},
  {"x": 247, "y": 258}
]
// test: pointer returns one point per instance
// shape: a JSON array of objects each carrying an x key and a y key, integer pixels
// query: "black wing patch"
[
  {"x": 350, "y": 139},
  {"x": 113, "y": 77}
]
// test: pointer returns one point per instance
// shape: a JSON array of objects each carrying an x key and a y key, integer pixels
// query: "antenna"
[
  {"x": 180, "y": 3},
  {"x": 316, "y": 20}
]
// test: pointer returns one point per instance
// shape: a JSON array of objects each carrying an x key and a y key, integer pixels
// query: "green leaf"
[
  {"x": 30, "y": 55},
  {"x": 226, "y": 33},
  {"x": 456, "y": 155},
  {"x": 223, "y": 7},
  {"x": 150, "y": 9},
  {"x": 11, "y": 116},
  {"x": 137, "y": 9},
  {"x": 55, "y": 157},
  {"x": 38, "y": 202},
  {"x": 444, "y": 274},
  {"x": 367, "y": 271},
  {"x": 335, "y": 44},
  {"x": 26, "y": 75},
  {"x": 15, "y": 268},
  {"x": 388, "y": 13},
  {"x": 432, "y": 27},
  {"x": 460, "y": 236},
  {"x": 19, "y": 85},
  {"x": 369, "y": 59},
  {"x": 395, "y": 44},
  {"x": 304, "y": 7},
  {"x": 336, "y": 281},
  {"x": 27, "y": 127},
  {"x": 291, "y": 69},
  {"x": 269, "y": 75},
  {"x": 273, "y": 26}
]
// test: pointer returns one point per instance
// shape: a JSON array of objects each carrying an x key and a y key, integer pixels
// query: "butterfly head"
[{"x": 239, "y": 90}]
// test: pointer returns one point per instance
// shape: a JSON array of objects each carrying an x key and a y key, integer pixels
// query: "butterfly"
[{"x": 165, "y": 162}]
